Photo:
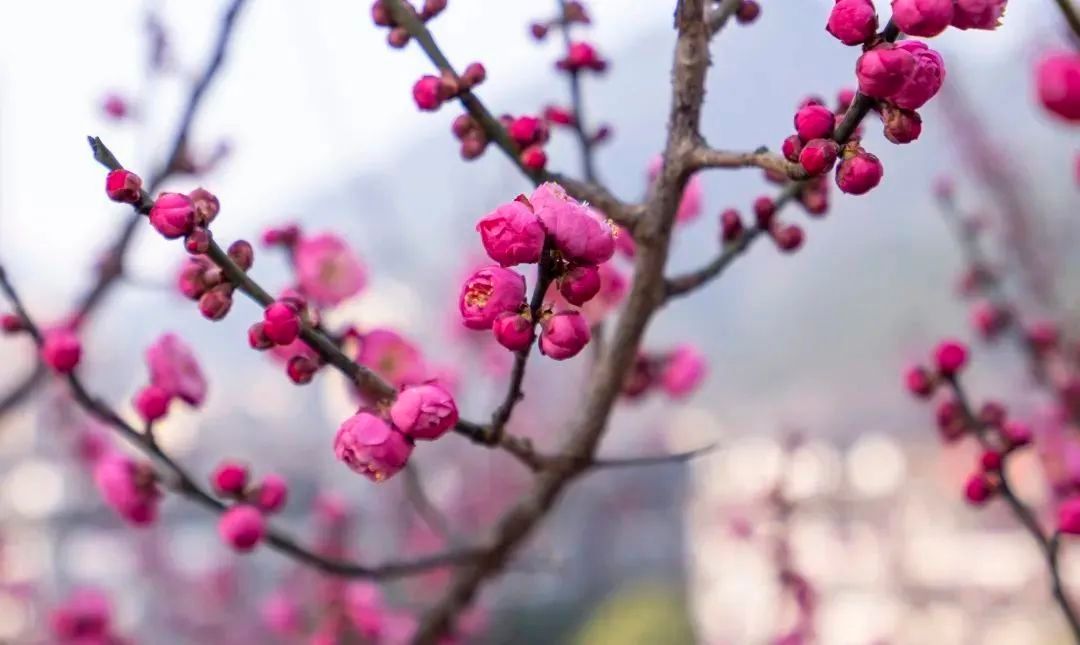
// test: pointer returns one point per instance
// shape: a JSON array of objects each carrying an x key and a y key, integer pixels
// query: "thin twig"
[
  {"x": 180, "y": 481},
  {"x": 623, "y": 214},
  {"x": 1048, "y": 544},
  {"x": 1068, "y": 11}
]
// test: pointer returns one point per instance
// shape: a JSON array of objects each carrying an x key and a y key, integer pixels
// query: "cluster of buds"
[
  {"x": 855, "y": 22},
  {"x": 787, "y": 237},
  {"x": 568, "y": 240},
  {"x": 999, "y": 435},
  {"x": 574, "y": 12},
  {"x": 283, "y": 320},
  {"x": 581, "y": 56},
  {"x": 174, "y": 374},
  {"x": 128, "y": 486},
  {"x": 398, "y": 36},
  {"x": 430, "y": 92},
  {"x": 530, "y": 133},
  {"x": 812, "y": 145},
  {"x": 201, "y": 280},
  {"x": 678, "y": 373},
  {"x": 377, "y": 442},
  {"x": 243, "y": 525},
  {"x": 558, "y": 116}
]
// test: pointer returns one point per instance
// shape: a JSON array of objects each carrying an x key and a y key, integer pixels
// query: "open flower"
[{"x": 327, "y": 269}]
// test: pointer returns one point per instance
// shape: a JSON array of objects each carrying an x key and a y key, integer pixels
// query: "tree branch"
[
  {"x": 112, "y": 268},
  {"x": 1068, "y": 11},
  {"x": 689, "y": 282},
  {"x": 1048, "y": 544},
  {"x": 173, "y": 475},
  {"x": 646, "y": 294},
  {"x": 623, "y": 214}
]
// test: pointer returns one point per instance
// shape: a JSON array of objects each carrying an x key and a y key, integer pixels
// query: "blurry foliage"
[{"x": 644, "y": 614}]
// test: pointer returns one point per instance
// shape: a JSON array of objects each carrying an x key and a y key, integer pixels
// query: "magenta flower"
[
  {"x": 488, "y": 293},
  {"x": 563, "y": 335},
  {"x": 1057, "y": 79},
  {"x": 392, "y": 357},
  {"x": 368, "y": 445},
  {"x": 814, "y": 122},
  {"x": 683, "y": 371},
  {"x": 978, "y": 14},
  {"x": 581, "y": 233},
  {"x": 128, "y": 487},
  {"x": 925, "y": 78},
  {"x": 923, "y": 18},
  {"x": 173, "y": 368},
  {"x": 327, "y": 270},
  {"x": 950, "y": 356},
  {"x": 424, "y": 412},
  {"x": 152, "y": 402},
  {"x": 512, "y": 234},
  {"x": 242, "y": 527}
]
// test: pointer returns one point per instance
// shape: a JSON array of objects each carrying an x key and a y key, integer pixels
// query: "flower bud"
[
  {"x": 215, "y": 303},
  {"x": 173, "y": 215},
  {"x": 764, "y": 211},
  {"x": 788, "y": 238},
  {"x": 852, "y": 22},
  {"x": 859, "y": 174},
  {"x": 398, "y": 37},
  {"x": 534, "y": 158},
  {"x": 424, "y": 412},
  {"x": 473, "y": 75},
  {"x": 301, "y": 369},
  {"x": 369, "y": 446},
  {"x": 61, "y": 350},
  {"x": 978, "y": 14},
  {"x": 513, "y": 330},
  {"x": 242, "y": 254},
  {"x": 281, "y": 324},
  {"x": 923, "y": 81},
  {"x": 748, "y": 12},
  {"x": 257, "y": 338},
  {"x": 979, "y": 489},
  {"x": 11, "y": 324},
  {"x": 919, "y": 382},
  {"x": 563, "y": 335},
  {"x": 229, "y": 479},
  {"x": 1057, "y": 79},
  {"x": 152, "y": 403},
  {"x": 123, "y": 186},
  {"x": 206, "y": 206},
  {"x": 426, "y": 93},
  {"x": 197, "y": 241},
  {"x": 512, "y": 234},
  {"x": 883, "y": 70},
  {"x": 242, "y": 527},
  {"x": 814, "y": 122},
  {"x": 791, "y": 147},
  {"x": 922, "y": 18},
  {"x": 683, "y": 371},
  {"x": 901, "y": 126},
  {"x": 580, "y": 284},
  {"x": 950, "y": 356},
  {"x": 271, "y": 494},
  {"x": 819, "y": 156},
  {"x": 731, "y": 226}
]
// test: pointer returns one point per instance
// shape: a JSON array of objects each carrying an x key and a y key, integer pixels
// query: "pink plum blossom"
[
  {"x": 512, "y": 234},
  {"x": 174, "y": 368},
  {"x": 368, "y": 445},
  {"x": 327, "y": 270},
  {"x": 424, "y": 412}
]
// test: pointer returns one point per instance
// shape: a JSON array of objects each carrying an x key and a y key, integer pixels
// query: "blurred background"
[{"x": 317, "y": 116}]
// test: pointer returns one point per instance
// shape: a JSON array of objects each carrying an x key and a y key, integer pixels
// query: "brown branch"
[
  {"x": 687, "y": 283},
  {"x": 705, "y": 157},
  {"x": 646, "y": 295},
  {"x": 1048, "y": 543},
  {"x": 174, "y": 476},
  {"x": 623, "y": 214},
  {"x": 652, "y": 460},
  {"x": 112, "y": 268}
]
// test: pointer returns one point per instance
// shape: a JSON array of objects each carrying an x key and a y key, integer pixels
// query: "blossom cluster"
[{"x": 568, "y": 240}]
